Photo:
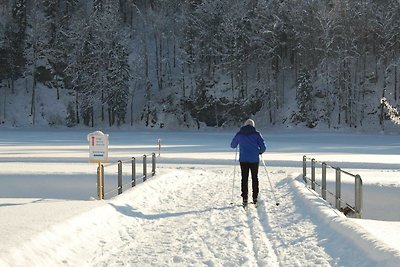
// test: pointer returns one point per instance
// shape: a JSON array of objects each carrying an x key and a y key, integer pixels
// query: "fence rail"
[
  {"x": 358, "y": 192},
  {"x": 134, "y": 178}
]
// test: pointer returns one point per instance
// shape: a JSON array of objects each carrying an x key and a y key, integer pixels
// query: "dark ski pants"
[{"x": 246, "y": 167}]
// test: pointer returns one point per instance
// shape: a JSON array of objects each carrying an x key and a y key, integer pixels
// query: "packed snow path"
[{"x": 184, "y": 217}]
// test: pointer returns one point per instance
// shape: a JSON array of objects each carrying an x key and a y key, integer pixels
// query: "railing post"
[
  {"x": 159, "y": 146},
  {"x": 323, "y": 192},
  {"x": 358, "y": 196},
  {"x": 313, "y": 174},
  {"x": 304, "y": 168},
  {"x": 153, "y": 164},
  {"x": 133, "y": 171},
  {"x": 144, "y": 168},
  {"x": 99, "y": 181},
  {"x": 338, "y": 189},
  {"x": 119, "y": 177}
]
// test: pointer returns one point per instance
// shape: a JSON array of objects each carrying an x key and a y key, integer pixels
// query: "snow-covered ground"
[{"x": 183, "y": 216}]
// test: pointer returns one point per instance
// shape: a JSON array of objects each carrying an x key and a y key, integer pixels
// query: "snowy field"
[{"x": 183, "y": 216}]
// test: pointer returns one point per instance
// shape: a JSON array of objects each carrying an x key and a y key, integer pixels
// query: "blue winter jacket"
[{"x": 250, "y": 142}]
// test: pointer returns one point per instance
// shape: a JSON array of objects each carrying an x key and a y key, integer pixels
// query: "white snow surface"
[{"x": 183, "y": 215}]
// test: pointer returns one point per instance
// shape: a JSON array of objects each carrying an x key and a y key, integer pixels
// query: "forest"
[{"x": 198, "y": 63}]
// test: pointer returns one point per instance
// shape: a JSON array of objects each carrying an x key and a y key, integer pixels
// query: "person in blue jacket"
[{"x": 251, "y": 145}]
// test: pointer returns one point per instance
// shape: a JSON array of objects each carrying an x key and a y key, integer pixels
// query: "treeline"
[
  {"x": 207, "y": 61},
  {"x": 68, "y": 45}
]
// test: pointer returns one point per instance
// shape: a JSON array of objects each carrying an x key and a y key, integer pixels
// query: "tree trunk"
[
  {"x": 92, "y": 115},
  {"x": 283, "y": 85},
  {"x": 395, "y": 82},
  {"x": 109, "y": 117},
  {"x": 328, "y": 97},
  {"x": 132, "y": 110},
  {"x": 246, "y": 78},
  {"x": 4, "y": 103},
  {"x": 376, "y": 69},
  {"x": 183, "y": 82},
  {"x": 76, "y": 106},
  {"x": 364, "y": 75},
  {"x": 158, "y": 46},
  {"x": 102, "y": 105},
  {"x": 381, "y": 116},
  {"x": 356, "y": 96},
  {"x": 340, "y": 91},
  {"x": 232, "y": 86},
  {"x": 58, "y": 89},
  {"x": 346, "y": 96},
  {"x": 33, "y": 106},
  {"x": 161, "y": 64},
  {"x": 11, "y": 81},
  {"x": 174, "y": 52}
]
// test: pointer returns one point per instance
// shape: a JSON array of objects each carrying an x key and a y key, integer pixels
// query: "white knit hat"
[{"x": 250, "y": 122}]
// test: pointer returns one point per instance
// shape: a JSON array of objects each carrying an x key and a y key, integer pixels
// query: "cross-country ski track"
[{"x": 183, "y": 216}]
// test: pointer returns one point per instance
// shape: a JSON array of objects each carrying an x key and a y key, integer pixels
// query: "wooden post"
[
  {"x": 100, "y": 189},
  {"x": 102, "y": 181}
]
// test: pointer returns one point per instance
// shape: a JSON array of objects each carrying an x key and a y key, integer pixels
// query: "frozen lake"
[{"x": 53, "y": 163}]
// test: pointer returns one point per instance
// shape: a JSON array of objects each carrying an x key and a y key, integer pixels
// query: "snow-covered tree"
[
  {"x": 118, "y": 78},
  {"x": 13, "y": 35},
  {"x": 109, "y": 54},
  {"x": 36, "y": 50},
  {"x": 305, "y": 100},
  {"x": 98, "y": 67}
]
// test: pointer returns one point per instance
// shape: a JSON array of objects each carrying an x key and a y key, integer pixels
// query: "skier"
[{"x": 251, "y": 145}]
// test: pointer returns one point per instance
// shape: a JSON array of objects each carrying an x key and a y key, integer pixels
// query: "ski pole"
[
  {"x": 269, "y": 180},
  {"x": 234, "y": 173}
]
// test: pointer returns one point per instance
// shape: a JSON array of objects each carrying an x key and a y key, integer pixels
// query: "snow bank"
[
  {"x": 45, "y": 227},
  {"x": 379, "y": 250}
]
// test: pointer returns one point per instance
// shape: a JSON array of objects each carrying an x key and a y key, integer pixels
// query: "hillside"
[{"x": 196, "y": 64}]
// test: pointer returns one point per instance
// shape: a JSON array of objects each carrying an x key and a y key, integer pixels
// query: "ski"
[{"x": 245, "y": 205}]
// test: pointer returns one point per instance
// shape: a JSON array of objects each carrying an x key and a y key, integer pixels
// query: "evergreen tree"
[
  {"x": 118, "y": 81},
  {"x": 12, "y": 48},
  {"x": 228, "y": 50},
  {"x": 99, "y": 65},
  {"x": 304, "y": 97}
]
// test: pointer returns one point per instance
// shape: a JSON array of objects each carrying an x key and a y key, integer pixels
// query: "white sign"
[{"x": 98, "y": 147}]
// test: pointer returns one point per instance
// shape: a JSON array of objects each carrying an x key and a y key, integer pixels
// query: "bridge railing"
[
  {"x": 340, "y": 203},
  {"x": 134, "y": 179}
]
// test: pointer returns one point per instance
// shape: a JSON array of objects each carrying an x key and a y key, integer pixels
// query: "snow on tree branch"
[{"x": 392, "y": 111}]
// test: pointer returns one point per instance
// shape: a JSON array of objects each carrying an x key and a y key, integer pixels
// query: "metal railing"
[
  {"x": 134, "y": 178},
  {"x": 358, "y": 191}
]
